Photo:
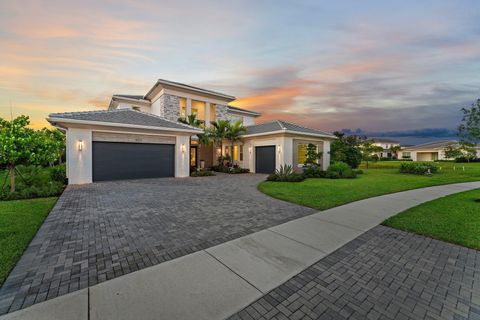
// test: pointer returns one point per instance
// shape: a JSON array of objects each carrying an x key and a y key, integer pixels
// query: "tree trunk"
[
  {"x": 11, "y": 172},
  {"x": 231, "y": 154}
]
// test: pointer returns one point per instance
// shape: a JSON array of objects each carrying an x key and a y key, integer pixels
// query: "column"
[
  {"x": 207, "y": 114},
  {"x": 182, "y": 156},
  {"x": 188, "y": 111},
  {"x": 326, "y": 155}
]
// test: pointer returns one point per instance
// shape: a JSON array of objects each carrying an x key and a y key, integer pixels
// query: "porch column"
[
  {"x": 326, "y": 155},
  {"x": 188, "y": 111},
  {"x": 207, "y": 114},
  {"x": 284, "y": 151}
]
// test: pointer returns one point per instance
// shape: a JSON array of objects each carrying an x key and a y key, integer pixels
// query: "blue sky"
[{"x": 375, "y": 65}]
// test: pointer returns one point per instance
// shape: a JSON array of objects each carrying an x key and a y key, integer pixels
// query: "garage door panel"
[
  {"x": 265, "y": 159},
  {"x": 117, "y": 161}
]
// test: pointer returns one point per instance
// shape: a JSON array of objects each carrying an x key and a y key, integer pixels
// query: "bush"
[
  {"x": 339, "y": 170},
  {"x": 286, "y": 174},
  {"x": 52, "y": 188},
  {"x": 358, "y": 171},
  {"x": 313, "y": 171},
  {"x": 59, "y": 173},
  {"x": 236, "y": 170},
  {"x": 465, "y": 159},
  {"x": 202, "y": 173},
  {"x": 418, "y": 167}
]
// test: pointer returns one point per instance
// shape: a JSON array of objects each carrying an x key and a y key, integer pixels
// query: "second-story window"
[
  {"x": 183, "y": 107},
  {"x": 198, "y": 108}
]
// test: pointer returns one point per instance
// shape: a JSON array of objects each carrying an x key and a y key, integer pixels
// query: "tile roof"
[
  {"x": 278, "y": 125},
  {"x": 129, "y": 96},
  {"x": 242, "y": 110},
  {"x": 122, "y": 116},
  {"x": 433, "y": 145}
]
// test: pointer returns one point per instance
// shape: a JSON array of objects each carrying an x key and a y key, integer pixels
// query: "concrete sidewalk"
[{"x": 219, "y": 281}]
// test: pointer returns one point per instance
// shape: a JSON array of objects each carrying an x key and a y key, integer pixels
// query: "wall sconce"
[
  {"x": 183, "y": 148},
  {"x": 80, "y": 145},
  {"x": 279, "y": 149},
  {"x": 250, "y": 150}
]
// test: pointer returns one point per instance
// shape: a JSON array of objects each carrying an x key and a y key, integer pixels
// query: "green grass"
[
  {"x": 454, "y": 218},
  {"x": 19, "y": 221},
  {"x": 327, "y": 193}
]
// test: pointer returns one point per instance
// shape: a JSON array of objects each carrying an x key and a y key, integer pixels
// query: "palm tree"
[
  {"x": 219, "y": 132},
  {"x": 192, "y": 120},
  {"x": 235, "y": 131}
]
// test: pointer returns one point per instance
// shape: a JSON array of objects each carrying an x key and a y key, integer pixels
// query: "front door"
[{"x": 193, "y": 158}]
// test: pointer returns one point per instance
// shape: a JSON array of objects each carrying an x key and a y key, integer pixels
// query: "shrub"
[
  {"x": 339, "y": 170},
  {"x": 29, "y": 175},
  {"x": 358, "y": 171},
  {"x": 313, "y": 171},
  {"x": 286, "y": 174},
  {"x": 236, "y": 170},
  {"x": 418, "y": 167},
  {"x": 202, "y": 173},
  {"x": 465, "y": 159},
  {"x": 59, "y": 173}
]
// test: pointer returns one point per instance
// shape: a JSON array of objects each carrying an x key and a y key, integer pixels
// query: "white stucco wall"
[
  {"x": 79, "y": 163},
  {"x": 326, "y": 155},
  {"x": 182, "y": 156},
  {"x": 248, "y": 121}
]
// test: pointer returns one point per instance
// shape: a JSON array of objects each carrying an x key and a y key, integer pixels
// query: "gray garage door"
[
  {"x": 116, "y": 161},
  {"x": 265, "y": 159}
]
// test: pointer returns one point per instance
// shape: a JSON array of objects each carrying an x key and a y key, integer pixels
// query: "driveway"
[{"x": 101, "y": 231}]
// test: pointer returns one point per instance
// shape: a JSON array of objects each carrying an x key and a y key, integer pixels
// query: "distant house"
[
  {"x": 386, "y": 144},
  {"x": 428, "y": 151}
]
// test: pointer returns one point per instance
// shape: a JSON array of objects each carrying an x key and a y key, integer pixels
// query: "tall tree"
[
  {"x": 219, "y": 133},
  {"x": 394, "y": 149},
  {"x": 369, "y": 150},
  {"x": 17, "y": 143},
  {"x": 346, "y": 149},
  {"x": 469, "y": 128},
  {"x": 234, "y": 133}
]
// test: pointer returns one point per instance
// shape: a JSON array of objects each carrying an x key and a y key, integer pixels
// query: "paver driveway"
[{"x": 104, "y": 230}]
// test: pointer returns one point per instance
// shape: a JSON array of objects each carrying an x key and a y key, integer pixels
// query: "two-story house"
[
  {"x": 141, "y": 137},
  {"x": 386, "y": 145}
]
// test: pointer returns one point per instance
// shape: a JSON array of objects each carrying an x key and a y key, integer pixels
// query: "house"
[
  {"x": 139, "y": 136},
  {"x": 428, "y": 151},
  {"x": 386, "y": 145}
]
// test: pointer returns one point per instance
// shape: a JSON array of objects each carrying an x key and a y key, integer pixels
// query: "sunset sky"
[{"x": 375, "y": 65}]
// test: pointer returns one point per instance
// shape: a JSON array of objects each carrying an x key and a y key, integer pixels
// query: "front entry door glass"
[{"x": 193, "y": 156}]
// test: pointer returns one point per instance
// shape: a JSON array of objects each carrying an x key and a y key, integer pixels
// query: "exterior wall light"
[
  {"x": 183, "y": 148},
  {"x": 80, "y": 145},
  {"x": 250, "y": 150},
  {"x": 279, "y": 149}
]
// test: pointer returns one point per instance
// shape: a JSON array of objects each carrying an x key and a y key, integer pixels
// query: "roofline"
[
  {"x": 115, "y": 97},
  {"x": 54, "y": 121},
  {"x": 289, "y": 131},
  {"x": 239, "y": 110},
  {"x": 185, "y": 86}
]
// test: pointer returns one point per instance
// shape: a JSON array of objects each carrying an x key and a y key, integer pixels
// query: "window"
[
  {"x": 212, "y": 112},
  {"x": 406, "y": 155},
  {"x": 235, "y": 153},
  {"x": 241, "y": 152},
  {"x": 193, "y": 157},
  {"x": 198, "y": 108},
  {"x": 183, "y": 107},
  {"x": 302, "y": 153}
]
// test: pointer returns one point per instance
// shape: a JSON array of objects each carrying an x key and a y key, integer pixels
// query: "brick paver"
[
  {"x": 101, "y": 231},
  {"x": 383, "y": 274}
]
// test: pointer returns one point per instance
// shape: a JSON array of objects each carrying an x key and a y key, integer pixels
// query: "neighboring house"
[
  {"x": 386, "y": 144},
  {"x": 140, "y": 137},
  {"x": 428, "y": 151}
]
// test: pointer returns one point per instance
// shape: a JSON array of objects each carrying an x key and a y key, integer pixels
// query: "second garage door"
[
  {"x": 265, "y": 159},
  {"x": 117, "y": 161}
]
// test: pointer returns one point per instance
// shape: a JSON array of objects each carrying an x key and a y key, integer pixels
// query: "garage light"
[
  {"x": 183, "y": 148},
  {"x": 250, "y": 150},
  {"x": 80, "y": 145},
  {"x": 279, "y": 149}
]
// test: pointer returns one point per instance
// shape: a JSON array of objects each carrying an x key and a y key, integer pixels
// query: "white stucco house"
[
  {"x": 428, "y": 151},
  {"x": 139, "y": 136},
  {"x": 385, "y": 144}
]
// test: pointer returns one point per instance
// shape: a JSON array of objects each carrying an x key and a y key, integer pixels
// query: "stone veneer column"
[
  {"x": 207, "y": 114},
  {"x": 220, "y": 112},
  {"x": 170, "y": 106}
]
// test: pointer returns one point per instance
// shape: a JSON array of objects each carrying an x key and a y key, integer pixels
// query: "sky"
[{"x": 374, "y": 65}]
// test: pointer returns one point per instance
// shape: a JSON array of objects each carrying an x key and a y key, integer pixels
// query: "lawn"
[
  {"x": 454, "y": 218},
  {"x": 327, "y": 193},
  {"x": 19, "y": 221}
]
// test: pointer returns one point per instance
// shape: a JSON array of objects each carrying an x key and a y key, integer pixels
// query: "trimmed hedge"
[
  {"x": 339, "y": 170},
  {"x": 420, "y": 168}
]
